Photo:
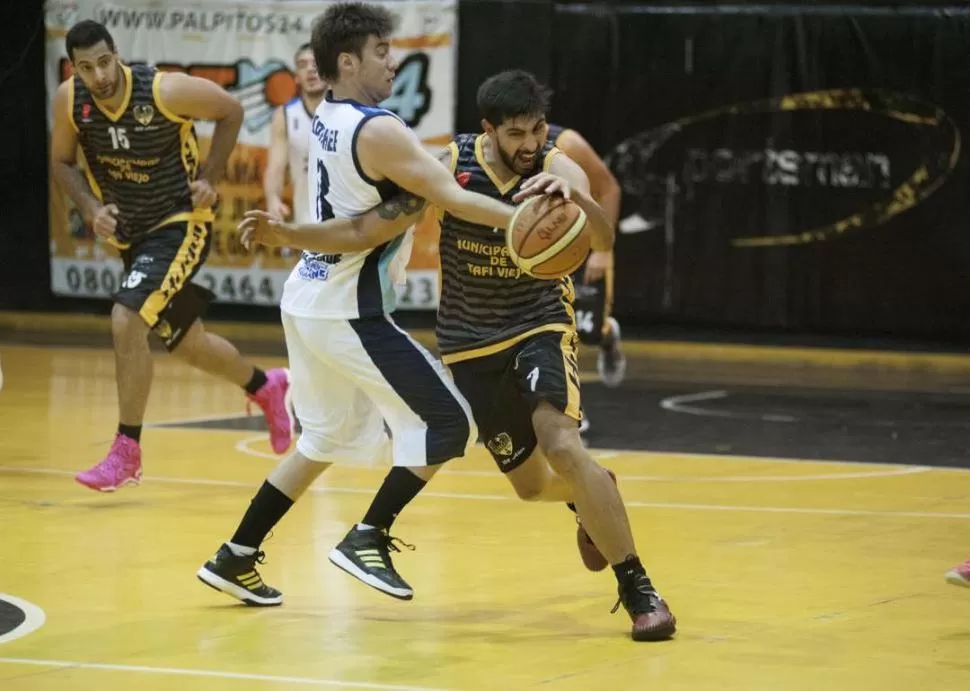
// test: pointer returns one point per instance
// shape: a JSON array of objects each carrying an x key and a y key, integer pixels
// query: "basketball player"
[
  {"x": 290, "y": 140},
  {"x": 353, "y": 368},
  {"x": 509, "y": 339},
  {"x": 960, "y": 575},
  {"x": 145, "y": 195}
]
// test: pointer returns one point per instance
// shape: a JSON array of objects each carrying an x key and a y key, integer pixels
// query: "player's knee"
[
  {"x": 189, "y": 347},
  {"x": 315, "y": 446},
  {"x": 453, "y": 433},
  {"x": 126, "y": 324},
  {"x": 564, "y": 450},
  {"x": 529, "y": 491}
]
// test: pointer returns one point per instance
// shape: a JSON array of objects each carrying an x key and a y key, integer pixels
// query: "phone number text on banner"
[{"x": 100, "y": 278}]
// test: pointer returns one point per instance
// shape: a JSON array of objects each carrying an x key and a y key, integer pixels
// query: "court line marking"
[
  {"x": 675, "y": 404},
  {"x": 243, "y": 446},
  {"x": 498, "y": 497},
  {"x": 35, "y": 618},
  {"x": 600, "y": 453},
  {"x": 216, "y": 674}
]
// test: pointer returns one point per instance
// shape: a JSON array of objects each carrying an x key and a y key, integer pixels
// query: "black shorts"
[
  {"x": 504, "y": 389},
  {"x": 158, "y": 279},
  {"x": 593, "y": 305}
]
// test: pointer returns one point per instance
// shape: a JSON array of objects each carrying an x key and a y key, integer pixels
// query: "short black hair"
[
  {"x": 85, "y": 34},
  {"x": 345, "y": 28},
  {"x": 511, "y": 94},
  {"x": 302, "y": 48}
]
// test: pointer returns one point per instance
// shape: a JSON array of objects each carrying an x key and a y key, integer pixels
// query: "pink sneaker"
[
  {"x": 273, "y": 399},
  {"x": 122, "y": 466},
  {"x": 960, "y": 575}
]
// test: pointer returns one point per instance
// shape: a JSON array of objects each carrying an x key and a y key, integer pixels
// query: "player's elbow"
[
  {"x": 613, "y": 190},
  {"x": 231, "y": 110},
  {"x": 61, "y": 167}
]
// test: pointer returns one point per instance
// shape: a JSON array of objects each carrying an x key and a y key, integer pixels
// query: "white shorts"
[{"x": 348, "y": 377}]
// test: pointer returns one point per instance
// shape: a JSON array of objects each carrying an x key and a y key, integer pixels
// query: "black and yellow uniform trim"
[
  {"x": 116, "y": 115},
  {"x": 70, "y": 104},
  {"x": 452, "y": 150},
  {"x": 187, "y": 260},
  {"x": 570, "y": 366}
]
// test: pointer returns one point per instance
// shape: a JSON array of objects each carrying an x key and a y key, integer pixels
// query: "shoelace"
[
  {"x": 643, "y": 589},
  {"x": 391, "y": 546}
]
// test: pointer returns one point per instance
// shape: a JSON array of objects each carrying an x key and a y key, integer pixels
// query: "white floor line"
[
  {"x": 216, "y": 674},
  {"x": 245, "y": 446},
  {"x": 678, "y": 404},
  {"x": 495, "y": 497}
]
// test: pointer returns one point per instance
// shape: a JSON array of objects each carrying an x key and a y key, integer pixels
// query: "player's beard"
[
  {"x": 515, "y": 163},
  {"x": 109, "y": 91}
]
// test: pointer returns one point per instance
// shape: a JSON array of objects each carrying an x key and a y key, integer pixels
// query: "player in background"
[
  {"x": 593, "y": 282},
  {"x": 289, "y": 145},
  {"x": 146, "y": 194}
]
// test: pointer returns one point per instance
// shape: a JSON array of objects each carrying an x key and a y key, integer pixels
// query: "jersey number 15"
[{"x": 119, "y": 138}]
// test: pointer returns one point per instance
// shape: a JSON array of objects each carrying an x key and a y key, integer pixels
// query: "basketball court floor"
[{"x": 799, "y": 522}]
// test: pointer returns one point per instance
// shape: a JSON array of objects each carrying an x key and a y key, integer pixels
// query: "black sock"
[
  {"x": 399, "y": 488},
  {"x": 628, "y": 570},
  {"x": 256, "y": 383},
  {"x": 130, "y": 431},
  {"x": 265, "y": 511}
]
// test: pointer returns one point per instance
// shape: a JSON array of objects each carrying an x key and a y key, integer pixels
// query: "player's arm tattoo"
[
  {"x": 389, "y": 219},
  {"x": 404, "y": 204}
]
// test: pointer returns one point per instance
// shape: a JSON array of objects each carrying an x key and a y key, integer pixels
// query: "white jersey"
[
  {"x": 298, "y": 119},
  {"x": 355, "y": 284}
]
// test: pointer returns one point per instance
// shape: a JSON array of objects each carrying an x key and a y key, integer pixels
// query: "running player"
[
  {"x": 146, "y": 195},
  {"x": 290, "y": 140}
]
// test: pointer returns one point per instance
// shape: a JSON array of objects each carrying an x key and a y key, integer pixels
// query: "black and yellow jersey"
[
  {"x": 555, "y": 131},
  {"x": 486, "y": 303},
  {"x": 141, "y": 157}
]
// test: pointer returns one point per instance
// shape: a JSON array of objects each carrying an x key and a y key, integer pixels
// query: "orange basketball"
[{"x": 548, "y": 238}]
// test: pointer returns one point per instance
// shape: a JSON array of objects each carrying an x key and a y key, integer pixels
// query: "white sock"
[
  {"x": 240, "y": 550},
  {"x": 364, "y": 526}
]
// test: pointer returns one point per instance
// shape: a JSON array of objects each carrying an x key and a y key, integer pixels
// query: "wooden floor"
[{"x": 784, "y": 575}]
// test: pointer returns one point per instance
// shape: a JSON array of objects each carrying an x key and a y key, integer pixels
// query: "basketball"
[{"x": 548, "y": 238}]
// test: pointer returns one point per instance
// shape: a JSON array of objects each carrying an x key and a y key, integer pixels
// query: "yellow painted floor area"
[{"x": 794, "y": 576}]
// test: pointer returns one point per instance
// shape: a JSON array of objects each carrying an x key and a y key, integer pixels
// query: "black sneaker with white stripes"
[
  {"x": 366, "y": 555},
  {"x": 237, "y": 577}
]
